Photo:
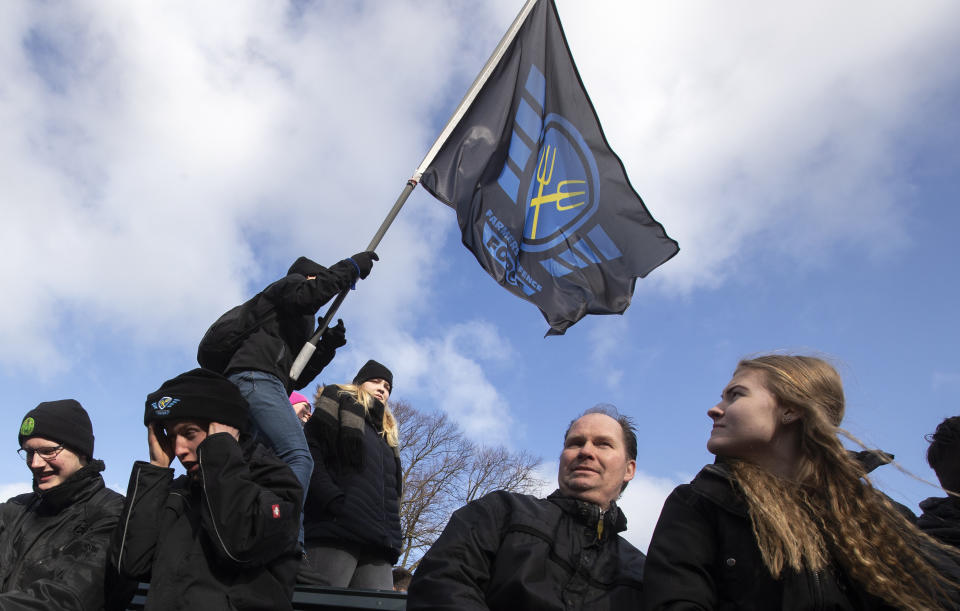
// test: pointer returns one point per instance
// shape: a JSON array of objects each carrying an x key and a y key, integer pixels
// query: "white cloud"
[
  {"x": 160, "y": 162},
  {"x": 547, "y": 473},
  {"x": 606, "y": 343},
  {"x": 11, "y": 490},
  {"x": 457, "y": 367},
  {"x": 736, "y": 121},
  {"x": 945, "y": 379},
  {"x": 641, "y": 502}
]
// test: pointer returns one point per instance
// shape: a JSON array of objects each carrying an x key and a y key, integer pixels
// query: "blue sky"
[{"x": 160, "y": 165}]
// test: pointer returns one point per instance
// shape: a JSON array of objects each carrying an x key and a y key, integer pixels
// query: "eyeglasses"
[{"x": 46, "y": 454}]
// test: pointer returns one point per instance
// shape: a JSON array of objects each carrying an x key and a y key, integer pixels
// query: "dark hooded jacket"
[
  {"x": 941, "y": 519},
  {"x": 354, "y": 503},
  {"x": 703, "y": 555},
  {"x": 287, "y": 309},
  {"x": 53, "y": 545},
  {"x": 510, "y": 551},
  {"x": 226, "y": 540}
]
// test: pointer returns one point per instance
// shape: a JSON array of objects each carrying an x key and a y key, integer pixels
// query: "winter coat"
[
  {"x": 941, "y": 519},
  {"x": 350, "y": 506},
  {"x": 225, "y": 540},
  {"x": 294, "y": 300},
  {"x": 53, "y": 545},
  {"x": 703, "y": 555},
  {"x": 513, "y": 551}
]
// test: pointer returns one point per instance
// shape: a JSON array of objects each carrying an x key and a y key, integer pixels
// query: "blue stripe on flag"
[
  {"x": 519, "y": 151},
  {"x": 584, "y": 250},
  {"x": 556, "y": 270},
  {"x": 529, "y": 121},
  {"x": 603, "y": 243},
  {"x": 568, "y": 257},
  {"x": 536, "y": 85},
  {"x": 509, "y": 182}
]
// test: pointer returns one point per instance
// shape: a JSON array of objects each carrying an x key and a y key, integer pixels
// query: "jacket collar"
[
  {"x": 942, "y": 506},
  {"x": 75, "y": 488},
  {"x": 715, "y": 482},
  {"x": 614, "y": 521}
]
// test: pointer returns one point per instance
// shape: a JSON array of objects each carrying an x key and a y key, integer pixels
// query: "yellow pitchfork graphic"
[{"x": 544, "y": 177}]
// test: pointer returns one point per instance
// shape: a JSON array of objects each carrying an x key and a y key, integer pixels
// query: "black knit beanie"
[
  {"x": 199, "y": 394},
  {"x": 64, "y": 421},
  {"x": 306, "y": 267},
  {"x": 373, "y": 370}
]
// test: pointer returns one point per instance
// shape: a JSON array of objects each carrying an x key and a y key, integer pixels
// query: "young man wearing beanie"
[
  {"x": 223, "y": 536},
  {"x": 53, "y": 541}
]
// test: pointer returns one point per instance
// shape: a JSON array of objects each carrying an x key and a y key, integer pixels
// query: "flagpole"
[{"x": 306, "y": 353}]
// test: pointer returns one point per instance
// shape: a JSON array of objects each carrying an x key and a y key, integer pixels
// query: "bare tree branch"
[{"x": 443, "y": 470}]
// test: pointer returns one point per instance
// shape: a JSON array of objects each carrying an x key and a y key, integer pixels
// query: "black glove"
[
  {"x": 335, "y": 336},
  {"x": 364, "y": 262}
]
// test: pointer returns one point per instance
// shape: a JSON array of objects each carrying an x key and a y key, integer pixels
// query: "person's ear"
[{"x": 790, "y": 415}]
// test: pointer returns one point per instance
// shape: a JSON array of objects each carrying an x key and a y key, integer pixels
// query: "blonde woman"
[
  {"x": 785, "y": 519},
  {"x": 352, "y": 512}
]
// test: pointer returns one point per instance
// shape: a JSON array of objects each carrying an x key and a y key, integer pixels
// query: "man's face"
[
  {"x": 594, "y": 463},
  {"x": 185, "y": 436},
  {"x": 50, "y": 472}
]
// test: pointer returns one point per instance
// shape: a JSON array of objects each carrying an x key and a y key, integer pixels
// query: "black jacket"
[
  {"x": 355, "y": 507},
  {"x": 294, "y": 300},
  {"x": 53, "y": 546},
  {"x": 513, "y": 551},
  {"x": 941, "y": 519},
  {"x": 703, "y": 555},
  {"x": 227, "y": 540}
]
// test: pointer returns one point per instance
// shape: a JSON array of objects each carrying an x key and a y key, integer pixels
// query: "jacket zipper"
[
  {"x": 213, "y": 519},
  {"x": 817, "y": 590}
]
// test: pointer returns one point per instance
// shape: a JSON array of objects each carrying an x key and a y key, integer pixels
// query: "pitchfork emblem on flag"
[{"x": 544, "y": 179}]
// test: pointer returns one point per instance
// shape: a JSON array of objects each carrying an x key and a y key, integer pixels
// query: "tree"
[{"x": 443, "y": 470}]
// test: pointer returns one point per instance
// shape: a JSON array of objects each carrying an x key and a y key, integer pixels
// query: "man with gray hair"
[{"x": 514, "y": 551}]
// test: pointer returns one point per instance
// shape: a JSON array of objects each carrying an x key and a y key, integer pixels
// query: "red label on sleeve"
[{"x": 276, "y": 511}]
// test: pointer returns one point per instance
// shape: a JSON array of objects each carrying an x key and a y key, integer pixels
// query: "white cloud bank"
[
  {"x": 10, "y": 490},
  {"x": 161, "y": 160}
]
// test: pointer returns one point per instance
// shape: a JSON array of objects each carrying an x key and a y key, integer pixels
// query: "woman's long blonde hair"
[
  {"x": 391, "y": 432},
  {"x": 829, "y": 511}
]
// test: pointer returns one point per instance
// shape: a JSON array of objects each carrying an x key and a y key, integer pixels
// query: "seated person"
[
  {"x": 223, "y": 536},
  {"x": 54, "y": 540},
  {"x": 785, "y": 518},
  {"x": 941, "y": 515},
  {"x": 513, "y": 551}
]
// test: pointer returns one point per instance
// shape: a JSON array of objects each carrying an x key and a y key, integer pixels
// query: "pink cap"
[{"x": 296, "y": 397}]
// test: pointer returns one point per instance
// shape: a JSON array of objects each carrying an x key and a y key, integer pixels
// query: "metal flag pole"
[{"x": 306, "y": 353}]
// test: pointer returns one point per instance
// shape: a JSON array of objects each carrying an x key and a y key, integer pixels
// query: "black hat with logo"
[
  {"x": 64, "y": 421},
  {"x": 199, "y": 394}
]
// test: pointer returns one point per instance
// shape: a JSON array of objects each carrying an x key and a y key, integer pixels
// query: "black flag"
[{"x": 542, "y": 201}]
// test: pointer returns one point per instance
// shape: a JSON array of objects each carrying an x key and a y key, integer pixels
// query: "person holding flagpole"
[{"x": 254, "y": 345}]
